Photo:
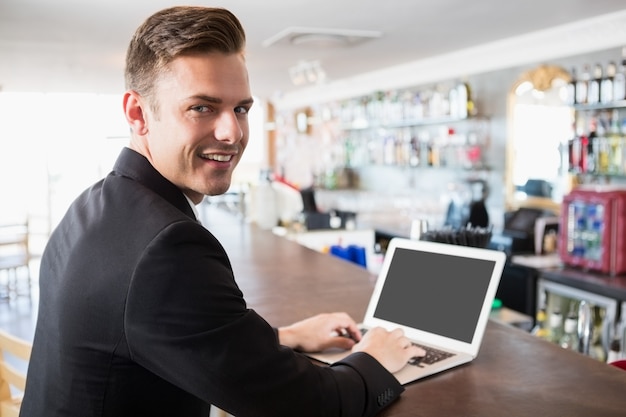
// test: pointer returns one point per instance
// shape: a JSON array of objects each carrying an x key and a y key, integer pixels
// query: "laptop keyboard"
[{"x": 432, "y": 355}]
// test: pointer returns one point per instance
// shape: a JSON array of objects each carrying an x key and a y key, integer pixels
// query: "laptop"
[{"x": 440, "y": 295}]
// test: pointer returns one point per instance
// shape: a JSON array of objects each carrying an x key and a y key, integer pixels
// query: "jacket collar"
[{"x": 133, "y": 165}]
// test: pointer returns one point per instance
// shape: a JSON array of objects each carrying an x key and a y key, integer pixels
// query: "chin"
[
  {"x": 214, "y": 184},
  {"x": 217, "y": 189}
]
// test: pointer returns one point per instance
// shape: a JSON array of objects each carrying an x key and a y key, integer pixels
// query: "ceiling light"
[
  {"x": 307, "y": 72},
  {"x": 319, "y": 40},
  {"x": 322, "y": 37}
]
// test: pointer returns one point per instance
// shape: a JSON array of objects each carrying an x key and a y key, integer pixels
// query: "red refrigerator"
[{"x": 593, "y": 229}]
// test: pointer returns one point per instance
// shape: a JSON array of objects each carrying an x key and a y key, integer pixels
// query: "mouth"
[{"x": 217, "y": 157}]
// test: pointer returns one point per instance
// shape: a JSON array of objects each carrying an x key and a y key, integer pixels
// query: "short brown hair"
[{"x": 177, "y": 31}]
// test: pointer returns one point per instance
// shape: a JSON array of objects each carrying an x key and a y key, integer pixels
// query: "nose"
[{"x": 228, "y": 128}]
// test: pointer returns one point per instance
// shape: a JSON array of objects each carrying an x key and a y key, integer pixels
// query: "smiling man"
[{"x": 139, "y": 313}]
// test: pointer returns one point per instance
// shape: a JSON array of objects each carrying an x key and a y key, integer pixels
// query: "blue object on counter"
[
  {"x": 357, "y": 255},
  {"x": 352, "y": 253},
  {"x": 340, "y": 252}
]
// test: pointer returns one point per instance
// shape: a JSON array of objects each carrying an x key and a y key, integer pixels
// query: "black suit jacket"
[{"x": 140, "y": 315}]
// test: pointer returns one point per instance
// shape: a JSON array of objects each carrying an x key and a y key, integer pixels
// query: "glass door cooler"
[{"x": 578, "y": 320}]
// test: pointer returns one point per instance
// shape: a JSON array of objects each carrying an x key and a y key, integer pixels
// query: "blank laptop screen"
[{"x": 435, "y": 293}]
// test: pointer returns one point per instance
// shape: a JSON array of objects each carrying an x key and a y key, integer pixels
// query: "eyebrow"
[{"x": 210, "y": 99}]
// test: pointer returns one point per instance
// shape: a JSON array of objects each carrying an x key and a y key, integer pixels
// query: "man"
[{"x": 139, "y": 311}]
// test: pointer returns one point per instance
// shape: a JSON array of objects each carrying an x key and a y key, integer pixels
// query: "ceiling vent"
[{"x": 320, "y": 37}]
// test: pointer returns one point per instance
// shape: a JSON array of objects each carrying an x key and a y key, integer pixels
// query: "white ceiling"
[{"x": 79, "y": 45}]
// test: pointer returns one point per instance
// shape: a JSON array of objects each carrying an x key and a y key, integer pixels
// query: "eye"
[
  {"x": 241, "y": 110},
  {"x": 201, "y": 109}
]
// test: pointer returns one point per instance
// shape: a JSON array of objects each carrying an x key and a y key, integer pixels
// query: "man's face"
[{"x": 200, "y": 129}]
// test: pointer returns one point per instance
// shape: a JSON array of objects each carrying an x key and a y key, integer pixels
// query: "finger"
[
  {"x": 344, "y": 320},
  {"x": 416, "y": 350},
  {"x": 398, "y": 333},
  {"x": 341, "y": 343},
  {"x": 354, "y": 332}
]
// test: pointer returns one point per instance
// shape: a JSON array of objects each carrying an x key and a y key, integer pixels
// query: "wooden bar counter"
[{"x": 515, "y": 373}]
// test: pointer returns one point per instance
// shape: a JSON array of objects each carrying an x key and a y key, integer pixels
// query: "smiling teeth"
[{"x": 220, "y": 158}]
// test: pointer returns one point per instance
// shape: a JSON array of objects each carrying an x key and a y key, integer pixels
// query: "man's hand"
[
  {"x": 392, "y": 349},
  {"x": 321, "y": 332}
]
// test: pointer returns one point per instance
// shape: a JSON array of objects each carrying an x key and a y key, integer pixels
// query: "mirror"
[{"x": 540, "y": 123}]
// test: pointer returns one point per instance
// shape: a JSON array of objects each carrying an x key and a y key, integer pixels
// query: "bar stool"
[
  {"x": 14, "y": 358},
  {"x": 15, "y": 257}
]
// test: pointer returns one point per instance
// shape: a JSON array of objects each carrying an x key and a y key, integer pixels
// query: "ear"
[{"x": 134, "y": 112}]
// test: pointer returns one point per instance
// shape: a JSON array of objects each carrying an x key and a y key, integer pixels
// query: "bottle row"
[
  {"x": 405, "y": 147},
  {"x": 601, "y": 148},
  {"x": 408, "y": 106},
  {"x": 598, "y": 85},
  {"x": 583, "y": 327}
]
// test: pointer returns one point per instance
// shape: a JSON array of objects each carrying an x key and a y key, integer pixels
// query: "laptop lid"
[{"x": 439, "y": 294}]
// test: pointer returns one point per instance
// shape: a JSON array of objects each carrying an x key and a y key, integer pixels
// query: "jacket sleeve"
[{"x": 187, "y": 322}]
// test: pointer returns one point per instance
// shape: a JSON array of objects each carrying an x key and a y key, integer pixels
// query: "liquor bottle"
[
  {"x": 593, "y": 93},
  {"x": 569, "y": 340},
  {"x": 615, "y": 351},
  {"x": 414, "y": 158},
  {"x": 464, "y": 100},
  {"x": 574, "y": 154},
  {"x": 601, "y": 150},
  {"x": 615, "y": 144},
  {"x": 592, "y": 138},
  {"x": 556, "y": 325},
  {"x": 436, "y": 104},
  {"x": 583, "y": 163},
  {"x": 606, "y": 86},
  {"x": 433, "y": 154},
  {"x": 389, "y": 150},
  {"x": 596, "y": 349},
  {"x": 615, "y": 347},
  {"x": 582, "y": 86},
  {"x": 540, "y": 329},
  {"x": 619, "y": 81},
  {"x": 571, "y": 88},
  {"x": 573, "y": 146},
  {"x": 585, "y": 327},
  {"x": 455, "y": 107}
]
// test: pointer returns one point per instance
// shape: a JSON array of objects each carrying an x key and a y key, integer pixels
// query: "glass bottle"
[
  {"x": 574, "y": 153},
  {"x": 571, "y": 88},
  {"x": 615, "y": 347},
  {"x": 615, "y": 145},
  {"x": 540, "y": 329},
  {"x": 569, "y": 340},
  {"x": 556, "y": 324},
  {"x": 593, "y": 93},
  {"x": 585, "y": 327},
  {"x": 582, "y": 86},
  {"x": 584, "y": 154},
  {"x": 592, "y": 136},
  {"x": 619, "y": 80},
  {"x": 601, "y": 150},
  {"x": 596, "y": 349},
  {"x": 606, "y": 86},
  {"x": 467, "y": 107}
]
